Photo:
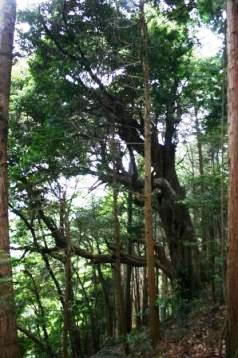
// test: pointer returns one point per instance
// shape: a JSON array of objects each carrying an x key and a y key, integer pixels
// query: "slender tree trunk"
[
  {"x": 8, "y": 331},
  {"x": 137, "y": 297},
  {"x": 71, "y": 331},
  {"x": 54, "y": 279},
  {"x": 128, "y": 294},
  {"x": 164, "y": 295},
  {"x": 93, "y": 319},
  {"x": 42, "y": 314},
  {"x": 67, "y": 269},
  {"x": 108, "y": 303},
  {"x": 232, "y": 262},
  {"x": 201, "y": 173},
  {"x": 212, "y": 256},
  {"x": 144, "y": 296},
  {"x": 152, "y": 290},
  {"x": 120, "y": 311},
  {"x": 119, "y": 297}
]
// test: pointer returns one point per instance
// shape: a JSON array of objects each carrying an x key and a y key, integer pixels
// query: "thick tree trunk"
[
  {"x": 149, "y": 241},
  {"x": 178, "y": 225},
  {"x": 8, "y": 330},
  {"x": 232, "y": 262}
]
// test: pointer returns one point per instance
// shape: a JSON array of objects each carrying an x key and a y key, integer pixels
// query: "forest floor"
[{"x": 201, "y": 335}]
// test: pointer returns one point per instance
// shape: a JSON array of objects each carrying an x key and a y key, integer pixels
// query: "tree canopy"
[{"x": 86, "y": 78}]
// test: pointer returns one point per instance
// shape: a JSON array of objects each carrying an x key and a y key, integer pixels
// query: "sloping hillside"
[{"x": 199, "y": 336}]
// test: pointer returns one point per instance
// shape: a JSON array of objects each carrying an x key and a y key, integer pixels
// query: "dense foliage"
[{"x": 77, "y": 122}]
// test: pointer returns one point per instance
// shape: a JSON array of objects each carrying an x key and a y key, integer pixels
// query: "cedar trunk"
[
  {"x": 149, "y": 242},
  {"x": 120, "y": 310},
  {"x": 8, "y": 330},
  {"x": 128, "y": 293},
  {"x": 232, "y": 262}
]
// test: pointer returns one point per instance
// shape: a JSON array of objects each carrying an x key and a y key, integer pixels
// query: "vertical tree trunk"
[
  {"x": 144, "y": 296},
  {"x": 137, "y": 299},
  {"x": 8, "y": 330},
  {"x": 232, "y": 262},
  {"x": 152, "y": 290},
  {"x": 164, "y": 295},
  {"x": 108, "y": 303},
  {"x": 67, "y": 269},
  {"x": 42, "y": 316},
  {"x": 128, "y": 294},
  {"x": 201, "y": 173},
  {"x": 119, "y": 298},
  {"x": 95, "y": 344},
  {"x": 71, "y": 331},
  {"x": 120, "y": 311},
  {"x": 177, "y": 223}
]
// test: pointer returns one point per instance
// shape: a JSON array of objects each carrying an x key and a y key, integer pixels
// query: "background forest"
[{"x": 80, "y": 99}]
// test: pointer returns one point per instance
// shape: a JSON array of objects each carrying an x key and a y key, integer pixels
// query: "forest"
[{"x": 118, "y": 179}]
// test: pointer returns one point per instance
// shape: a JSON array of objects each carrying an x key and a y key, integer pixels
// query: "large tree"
[
  {"x": 8, "y": 330},
  {"x": 149, "y": 239},
  {"x": 232, "y": 263},
  {"x": 99, "y": 75}
]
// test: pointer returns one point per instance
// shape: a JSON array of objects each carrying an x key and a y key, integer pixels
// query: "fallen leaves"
[{"x": 201, "y": 339}]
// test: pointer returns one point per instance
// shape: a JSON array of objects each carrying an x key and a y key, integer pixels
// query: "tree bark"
[
  {"x": 119, "y": 301},
  {"x": 137, "y": 298},
  {"x": 67, "y": 303},
  {"x": 128, "y": 293},
  {"x": 201, "y": 173},
  {"x": 71, "y": 331},
  {"x": 178, "y": 227},
  {"x": 232, "y": 261},
  {"x": 8, "y": 329},
  {"x": 153, "y": 316}
]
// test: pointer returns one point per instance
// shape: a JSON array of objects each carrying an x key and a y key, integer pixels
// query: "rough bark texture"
[
  {"x": 232, "y": 263},
  {"x": 150, "y": 244},
  {"x": 178, "y": 225},
  {"x": 8, "y": 330}
]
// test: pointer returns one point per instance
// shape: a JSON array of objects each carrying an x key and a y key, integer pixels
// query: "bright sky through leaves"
[{"x": 210, "y": 42}]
